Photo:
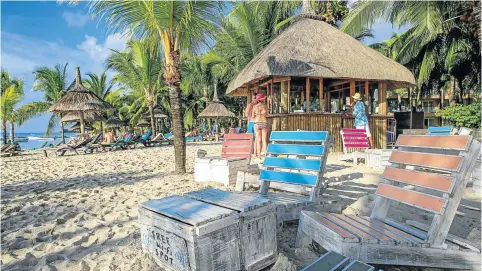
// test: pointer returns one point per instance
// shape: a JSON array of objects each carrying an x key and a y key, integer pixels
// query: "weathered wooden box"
[
  {"x": 378, "y": 158},
  {"x": 217, "y": 169},
  {"x": 209, "y": 230}
]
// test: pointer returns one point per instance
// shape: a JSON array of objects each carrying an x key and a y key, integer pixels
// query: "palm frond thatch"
[
  {"x": 114, "y": 122},
  {"x": 311, "y": 47},
  {"x": 75, "y": 116},
  {"x": 216, "y": 109},
  {"x": 79, "y": 98}
]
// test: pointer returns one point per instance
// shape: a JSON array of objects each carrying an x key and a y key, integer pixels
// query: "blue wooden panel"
[
  {"x": 439, "y": 133},
  {"x": 308, "y": 136},
  {"x": 288, "y": 177},
  {"x": 440, "y": 129},
  {"x": 290, "y": 163},
  {"x": 295, "y": 149}
]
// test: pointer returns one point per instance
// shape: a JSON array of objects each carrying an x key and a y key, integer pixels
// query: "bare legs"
[
  {"x": 371, "y": 142},
  {"x": 257, "y": 143},
  {"x": 261, "y": 141}
]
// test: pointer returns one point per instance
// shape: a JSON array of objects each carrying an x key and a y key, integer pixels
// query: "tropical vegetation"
[{"x": 11, "y": 94}]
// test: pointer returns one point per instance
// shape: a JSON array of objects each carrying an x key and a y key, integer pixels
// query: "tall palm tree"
[
  {"x": 181, "y": 26},
  {"x": 139, "y": 69},
  {"x": 440, "y": 41},
  {"x": 11, "y": 95},
  {"x": 100, "y": 86},
  {"x": 54, "y": 85}
]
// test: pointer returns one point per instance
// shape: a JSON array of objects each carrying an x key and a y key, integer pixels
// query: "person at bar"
[
  {"x": 361, "y": 120},
  {"x": 260, "y": 111},
  {"x": 250, "y": 117}
]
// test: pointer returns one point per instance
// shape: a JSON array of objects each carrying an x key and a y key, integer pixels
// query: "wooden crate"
[
  {"x": 378, "y": 158},
  {"x": 257, "y": 222},
  {"x": 185, "y": 234},
  {"x": 217, "y": 169}
]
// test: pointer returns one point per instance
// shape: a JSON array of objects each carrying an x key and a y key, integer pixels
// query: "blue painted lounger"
[
  {"x": 442, "y": 130},
  {"x": 295, "y": 158}
]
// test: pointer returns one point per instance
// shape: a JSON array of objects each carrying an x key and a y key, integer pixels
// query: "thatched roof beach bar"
[{"x": 309, "y": 73}]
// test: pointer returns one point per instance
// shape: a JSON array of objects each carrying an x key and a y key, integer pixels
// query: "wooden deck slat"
[
  {"x": 383, "y": 239},
  {"x": 422, "y": 179},
  {"x": 335, "y": 228},
  {"x": 288, "y": 177},
  {"x": 416, "y": 199},
  {"x": 399, "y": 239},
  {"x": 238, "y": 136},
  {"x": 365, "y": 237},
  {"x": 430, "y": 141},
  {"x": 236, "y": 201},
  {"x": 435, "y": 161},
  {"x": 331, "y": 261},
  {"x": 410, "y": 237},
  {"x": 300, "y": 164},
  {"x": 296, "y": 149},
  {"x": 301, "y": 136}
]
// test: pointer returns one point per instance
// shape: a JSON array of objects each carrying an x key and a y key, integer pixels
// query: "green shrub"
[{"x": 461, "y": 115}]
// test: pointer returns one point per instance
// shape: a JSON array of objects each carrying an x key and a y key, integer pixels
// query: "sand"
[{"x": 79, "y": 212}]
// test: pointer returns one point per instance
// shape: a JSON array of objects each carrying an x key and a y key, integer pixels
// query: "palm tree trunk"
[
  {"x": 62, "y": 134},
  {"x": 153, "y": 124},
  {"x": 172, "y": 75},
  {"x": 12, "y": 131},
  {"x": 4, "y": 131}
]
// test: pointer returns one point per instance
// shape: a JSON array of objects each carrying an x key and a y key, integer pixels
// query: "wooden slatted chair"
[
  {"x": 235, "y": 155},
  {"x": 442, "y": 130},
  {"x": 441, "y": 167},
  {"x": 297, "y": 158},
  {"x": 334, "y": 261},
  {"x": 354, "y": 140}
]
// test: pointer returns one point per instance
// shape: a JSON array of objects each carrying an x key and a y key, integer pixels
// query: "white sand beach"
[{"x": 79, "y": 212}]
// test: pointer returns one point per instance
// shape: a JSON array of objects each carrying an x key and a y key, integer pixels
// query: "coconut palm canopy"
[
  {"x": 75, "y": 116},
  {"x": 76, "y": 128},
  {"x": 311, "y": 47},
  {"x": 79, "y": 98},
  {"x": 114, "y": 122}
]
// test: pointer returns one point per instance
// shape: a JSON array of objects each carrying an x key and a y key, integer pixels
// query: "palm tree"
[
  {"x": 11, "y": 95},
  {"x": 438, "y": 42},
  {"x": 99, "y": 86},
  {"x": 139, "y": 69},
  {"x": 181, "y": 26},
  {"x": 53, "y": 83}
]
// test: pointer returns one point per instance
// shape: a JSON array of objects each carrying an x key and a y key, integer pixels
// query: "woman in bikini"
[{"x": 260, "y": 111}]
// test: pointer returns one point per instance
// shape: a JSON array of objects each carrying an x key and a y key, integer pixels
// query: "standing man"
[
  {"x": 361, "y": 120},
  {"x": 249, "y": 116}
]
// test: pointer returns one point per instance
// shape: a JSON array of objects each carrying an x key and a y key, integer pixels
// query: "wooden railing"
[{"x": 333, "y": 123}]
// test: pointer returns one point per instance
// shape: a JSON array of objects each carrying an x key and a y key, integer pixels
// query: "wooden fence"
[{"x": 332, "y": 123}]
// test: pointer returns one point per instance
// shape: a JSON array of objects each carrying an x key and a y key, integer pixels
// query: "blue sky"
[{"x": 35, "y": 34}]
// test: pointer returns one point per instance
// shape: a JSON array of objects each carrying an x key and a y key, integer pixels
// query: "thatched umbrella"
[
  {"x": 77, "y": 126},
  {"x": 216, "y": 109},
  {"x": 311, "y": 47},
  {"x": 75, "y": 116},
  {"x": 143, "y": 123},
  {"x": 79, "y": 99},
  {"x": 114, "y": 122},
  {"x": 158, "y": 113}
]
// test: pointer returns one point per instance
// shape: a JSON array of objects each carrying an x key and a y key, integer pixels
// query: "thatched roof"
[
  {"x": 79, "y": 98},
  {"x": 143, "y": 123},
  {"x": 76, "y": 128},
  {"x": 75, "y": 116},
  {"x": 114, "y": 122},
  {"x": 311, "y": 47},
  {"x": 158, "y": 113},
  {"x": 216, "y": 108}
]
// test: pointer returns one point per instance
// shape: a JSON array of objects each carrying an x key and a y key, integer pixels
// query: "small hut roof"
[
  {"x": 79, "y": 98},
  {"x": 76, "y": 128},
  {"x": 143, "y": 123},
  {"x": 74, "y": 116},
  {"x": 216, "y": 109},
  {"x": 311, "y": 47},
  {"x": 158, "y": 113},
  {"x": 114, "y": 122}
]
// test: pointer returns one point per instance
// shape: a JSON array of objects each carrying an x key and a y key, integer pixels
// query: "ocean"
[{"x": 32, "y": 144}]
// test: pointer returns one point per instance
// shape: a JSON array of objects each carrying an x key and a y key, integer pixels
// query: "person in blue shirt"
[{"x": 361, "y": 120}]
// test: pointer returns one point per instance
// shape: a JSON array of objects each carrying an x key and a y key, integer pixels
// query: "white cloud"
[
  {"x": 75, "y": 19},
  {"x": 20, "y": 55}
]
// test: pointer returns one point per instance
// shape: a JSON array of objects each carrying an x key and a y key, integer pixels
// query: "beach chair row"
[{"x": 427, "y": 172}]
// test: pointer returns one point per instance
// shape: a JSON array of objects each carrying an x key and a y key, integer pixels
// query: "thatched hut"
[
  {"x": 75, "y": 116},
  {"x": 80, "y": 100},
  {"x": 76, "y": 128},
  {"x": 215, "y": 110},
  {"x": 114, "y": 122},
  {"x": 309, "y": 74}
]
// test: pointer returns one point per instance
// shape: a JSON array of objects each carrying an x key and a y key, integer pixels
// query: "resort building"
[{"x": 309, "y": 74}]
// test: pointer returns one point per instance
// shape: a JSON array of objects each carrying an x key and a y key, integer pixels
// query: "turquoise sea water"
[{"x": 31, "y": 144}]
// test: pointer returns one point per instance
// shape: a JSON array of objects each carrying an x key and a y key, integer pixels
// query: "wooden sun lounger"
[
  {"x": 9, "y": 150},
  {"x": 439, "y": 171},
  {"x": 159, "y": 139},
  {"x": 62, "y": 150},
  {"x": 354, "y": 140},
  {"x": 295, "y": 158},
  {"x": 235, "y": 155},
  {"x": 332, "y": 261},
  {"x": 442, "y": 130}
]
